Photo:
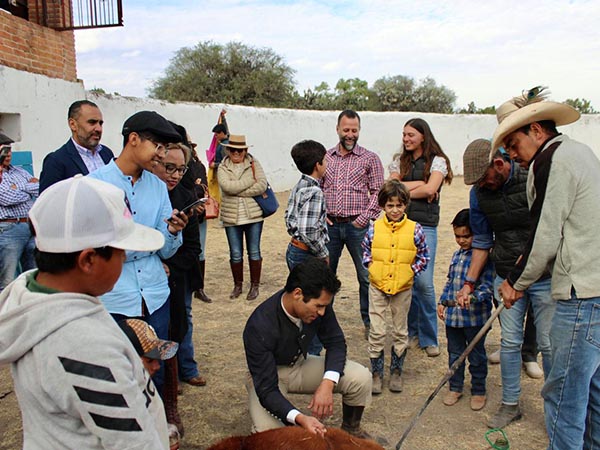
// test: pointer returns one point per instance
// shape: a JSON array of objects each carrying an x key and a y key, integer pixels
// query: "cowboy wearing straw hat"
[{"x": 563, "y": 188}]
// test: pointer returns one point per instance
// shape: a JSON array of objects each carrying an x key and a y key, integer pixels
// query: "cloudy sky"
[{"x": 485, "y": 51}]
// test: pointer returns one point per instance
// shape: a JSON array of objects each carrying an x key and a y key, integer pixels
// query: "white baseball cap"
[{"x": 83, "y": 212}]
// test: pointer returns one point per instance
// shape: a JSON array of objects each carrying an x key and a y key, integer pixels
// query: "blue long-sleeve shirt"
[
  {"x": 481, "y": 304},
  {"x": 143, "y": 275}
]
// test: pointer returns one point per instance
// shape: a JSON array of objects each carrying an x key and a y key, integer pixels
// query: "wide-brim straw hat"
[
  {"x": 521, "y": 111},
  {"x": 476, "y": 160},
  {"x": 237, "y": 141}
]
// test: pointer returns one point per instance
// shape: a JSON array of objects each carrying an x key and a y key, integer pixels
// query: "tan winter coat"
[{"x": 238, "y": 186}]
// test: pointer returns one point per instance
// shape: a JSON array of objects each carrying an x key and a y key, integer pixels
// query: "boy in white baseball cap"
[{"x": 78, "y": 379}]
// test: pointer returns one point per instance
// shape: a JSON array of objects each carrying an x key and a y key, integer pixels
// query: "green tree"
[
  {"x": 472, "y": 109},
  {"x": 354, "y": 93},
  {"x": 582, "y": 105},
  {"x": 429, "y": 97},
  {"x": 395, "y": 93},
  {"x": 320, "y": 98},
  {"x": 231, "y": 73}
]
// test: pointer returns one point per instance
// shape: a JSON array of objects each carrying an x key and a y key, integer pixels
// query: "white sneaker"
[
  {"x": 533, "y": 370},
  {"x": 494, "y": 358}
]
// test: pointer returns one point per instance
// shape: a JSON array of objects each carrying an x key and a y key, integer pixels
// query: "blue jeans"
[
  {"x": 572, "y": 390},
  {"x": 458, "y": 340},
  {"x": 16, "y": 246},
  {"x": 295, "y": 255},
  {"x": 512, "y": 323},
  {"x": 235, "y": 238},
  {"x": 341, "y": 234},
  {"x": 202, "y": 226},
  {"x": 159, "y": 320},
  {"x": 422, "y": 316},
  {"x": 188, "y": 368}
]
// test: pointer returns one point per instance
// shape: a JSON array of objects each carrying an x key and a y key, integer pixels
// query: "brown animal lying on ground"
[{"x": 296, "y": 438}]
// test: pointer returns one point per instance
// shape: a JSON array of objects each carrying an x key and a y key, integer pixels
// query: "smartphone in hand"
[{"x": 186, "y": 209}]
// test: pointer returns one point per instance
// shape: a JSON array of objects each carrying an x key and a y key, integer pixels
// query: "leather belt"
[
  {"x": 301, "y": 245},
  {"x": 20, "y": 220},
  {"x": 337, "y": 219}
]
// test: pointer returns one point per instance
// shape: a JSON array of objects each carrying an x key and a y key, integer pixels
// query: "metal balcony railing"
[{"x": 76, "y": 14}]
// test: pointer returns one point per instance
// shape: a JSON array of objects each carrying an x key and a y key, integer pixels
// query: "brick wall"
[{"x": 25, "y": 45}]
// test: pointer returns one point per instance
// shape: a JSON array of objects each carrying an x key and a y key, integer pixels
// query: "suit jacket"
[
  {"x": 65, "y": 163},
  {"x": 271, "y": 340}
]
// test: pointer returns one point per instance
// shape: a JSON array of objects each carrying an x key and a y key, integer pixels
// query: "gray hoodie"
[{"x": 79, "y": 381}]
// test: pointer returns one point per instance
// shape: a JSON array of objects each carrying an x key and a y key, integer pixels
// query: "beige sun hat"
[
  {"x": 530, "y": 107},
  {"x": 237, "y": 141}
]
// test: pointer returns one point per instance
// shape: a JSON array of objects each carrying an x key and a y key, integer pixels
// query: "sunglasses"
[
  {"x": 237, "y": 150},
  {"x": 172, "y": 168}
]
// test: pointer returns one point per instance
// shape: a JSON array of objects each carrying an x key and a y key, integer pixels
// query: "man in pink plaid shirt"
[{"x": 352, "y": 180}]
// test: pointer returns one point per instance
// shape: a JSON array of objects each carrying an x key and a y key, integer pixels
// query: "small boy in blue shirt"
[{"x": 463, "y": 322}]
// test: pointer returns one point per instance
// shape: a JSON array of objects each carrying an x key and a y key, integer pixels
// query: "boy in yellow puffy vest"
[{"x": 395, "y": 252}]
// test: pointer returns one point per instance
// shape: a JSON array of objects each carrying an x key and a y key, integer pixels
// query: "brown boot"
[
  {"x": 255, "y": 269},
  {"x": 237, "y": 270},
  {"x": 199, "y": 293},
  {"x": 170, "y": 394},
  {"x": 351, "y": 417}
]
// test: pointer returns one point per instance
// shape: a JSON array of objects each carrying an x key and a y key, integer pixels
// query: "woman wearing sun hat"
[{"x": 241, "y": 177}]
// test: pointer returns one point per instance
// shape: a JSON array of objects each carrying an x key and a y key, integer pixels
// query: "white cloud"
[{"x": 485, "y": 51}]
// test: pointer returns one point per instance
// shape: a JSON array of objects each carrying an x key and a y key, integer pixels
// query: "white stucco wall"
[{"x": 33, "y": 111}]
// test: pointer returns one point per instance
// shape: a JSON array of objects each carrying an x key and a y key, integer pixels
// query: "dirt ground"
[{"x": 219, "y": 409}]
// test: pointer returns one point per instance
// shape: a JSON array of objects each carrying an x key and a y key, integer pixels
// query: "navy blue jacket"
[
  {"x": 271, "y": 339},
  {"x": 65, "y": 163}
]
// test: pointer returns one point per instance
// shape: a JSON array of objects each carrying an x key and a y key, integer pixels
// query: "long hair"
[{"x": 431, "y": 149}]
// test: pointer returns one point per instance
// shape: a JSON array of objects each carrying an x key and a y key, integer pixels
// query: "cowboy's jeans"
[{"x": 572, "y": 389}]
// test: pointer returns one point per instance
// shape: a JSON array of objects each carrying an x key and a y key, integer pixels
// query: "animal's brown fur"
[{"x": 296, "y": 438}]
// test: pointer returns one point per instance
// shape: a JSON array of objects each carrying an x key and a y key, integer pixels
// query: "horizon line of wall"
[{"x": 33, "y": 111}]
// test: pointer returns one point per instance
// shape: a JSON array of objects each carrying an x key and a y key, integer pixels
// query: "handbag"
[
  {"x": 211, "y": 206},
  {"x": 267, "y": 200}
]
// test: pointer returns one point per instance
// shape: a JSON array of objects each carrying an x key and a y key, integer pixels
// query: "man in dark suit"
[
  {"x": 276, "y": 341},
  {"x": 83, "y": 153}
]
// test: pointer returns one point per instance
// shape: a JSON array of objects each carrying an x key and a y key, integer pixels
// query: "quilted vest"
[
  {"x": 393, "y": 251},
  {"x": 507, "y": 212},
  {"x": 419, "y": 209}
]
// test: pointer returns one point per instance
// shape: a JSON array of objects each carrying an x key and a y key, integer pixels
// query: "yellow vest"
[{"x": 393, "y": 251}]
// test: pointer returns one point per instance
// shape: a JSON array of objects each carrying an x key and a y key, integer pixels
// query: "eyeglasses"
[
  {"x": 237, "y": 150},
  {"x": 160, "y": 148},
  {"x": 172, "y": 168}
]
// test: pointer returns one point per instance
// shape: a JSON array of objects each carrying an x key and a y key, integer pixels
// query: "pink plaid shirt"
[{"x": 351, "y": 184}]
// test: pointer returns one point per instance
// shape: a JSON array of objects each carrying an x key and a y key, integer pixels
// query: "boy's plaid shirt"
[
  {"x": 305, "y": 216},
  {"x": 481, "y": 302}
]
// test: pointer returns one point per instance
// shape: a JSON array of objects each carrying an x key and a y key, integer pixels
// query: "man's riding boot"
[
  {"x": 255, "y": 269},
  {"x": 351, "y": 417},
  {"x": 170, "y": 394},
  {"x": 237, "y": 270},
  {"x": 199, "y": 293}
]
